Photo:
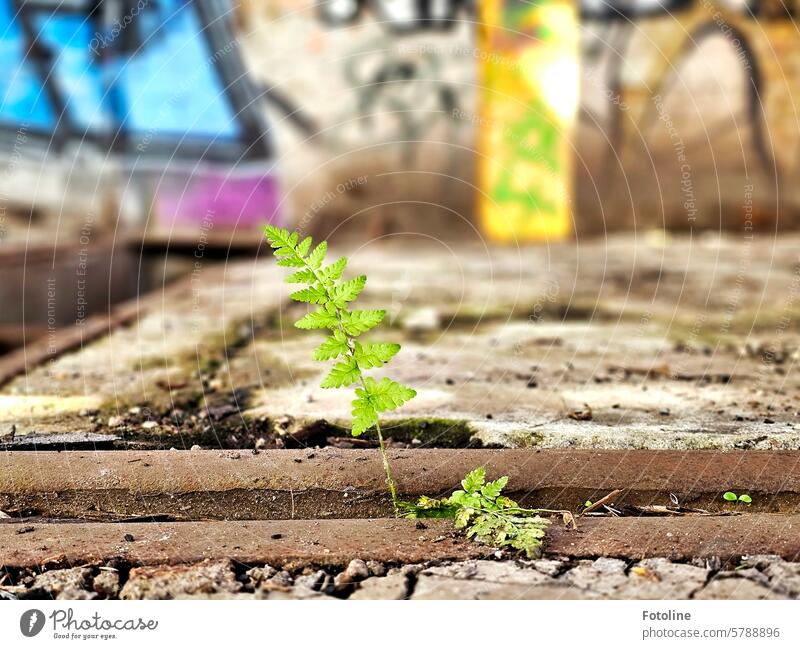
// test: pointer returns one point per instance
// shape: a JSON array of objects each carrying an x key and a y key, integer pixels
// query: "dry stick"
[{"x": 605, "y": 499}]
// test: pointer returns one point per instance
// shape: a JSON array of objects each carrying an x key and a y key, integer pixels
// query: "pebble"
[
  {"x": 319, "y": 581},
  {"x": 148, "y": 425},
  {"x": 376, "y": 568},
  {"x": 106, "y": 584},
  {"x": 356, "y": 571},
  {"x": 259, "y": 575}
]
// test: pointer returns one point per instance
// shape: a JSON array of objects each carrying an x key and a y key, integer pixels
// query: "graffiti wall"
[
  {"x": 379, "y": 91},
  {"x": 444, "y": 117},
  {"x": 136, "y": 101}
]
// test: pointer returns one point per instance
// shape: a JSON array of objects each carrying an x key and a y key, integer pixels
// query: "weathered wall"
[
  {"x": 690, "y": 120},
  {"x": 390, "y": 152}
]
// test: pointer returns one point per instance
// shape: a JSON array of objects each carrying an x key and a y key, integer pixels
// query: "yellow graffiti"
[{"x": 528, "y": 106}]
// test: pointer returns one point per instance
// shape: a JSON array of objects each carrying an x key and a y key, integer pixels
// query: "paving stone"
[
  {"x": 551, "y": 567},
  {"x": 76, "y": 594},
  {"x": 735, "y": 588},
  {"x": 784, "y": 576},
  {"x": 53, "y": 582},
  {"x": 392, "y": 587},
  {"x": 603, "y": 576},
  {"x": 293, "y": 594},
  {"x": 445, "y": 588},
  {"x": 505, "y": 572},
  {"x": 662, "y": 579},
  {"x": 106, "y": 584},
  {"x": 597, "y": 338},
  {"x": 178, "y": 582}
]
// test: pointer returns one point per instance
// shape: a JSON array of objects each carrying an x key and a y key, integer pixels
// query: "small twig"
[{"x": 605, "y": 499}]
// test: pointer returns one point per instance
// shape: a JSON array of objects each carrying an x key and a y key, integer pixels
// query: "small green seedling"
[
  {"x": 732, "y": 497},
  {"x": 487, "y": 516},
  {"x": 332, "y": 296},
  {"x": 588, "y": 504}
]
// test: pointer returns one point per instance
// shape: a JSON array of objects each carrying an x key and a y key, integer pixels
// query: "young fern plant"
[
  {"x": 481, "y": 510},
  {"x": 332, "y": 296}
]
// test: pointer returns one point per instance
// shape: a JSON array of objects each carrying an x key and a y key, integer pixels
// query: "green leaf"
[
  {"x": 427, "y": 508},
  {"x": 357, "y": 322},
  {"x": 317, "y": 255},
  {"x": 331, "y": 348},
  {"x": 301, "y": 277},
  {"x": 364, "y": 415},
  {"x": 343, "y": 374},
  {"x": 474, "y": 480},
  {"x": 729, "y": 495},
  {"x": 293, "y": 261},
  {"x": 347, "y": 291},
  {"x": 319, "y": 319},
  {"x": 334, "y": 271},
  {"x": 304, "y": 246},
  {"x": 313, "y": 295},
  {"x": 504, "y": 502},
  {"x": 374, "y": 398},
  {"x": 492, "y": 489},
  {"x": 462, "y": 518},
  {"x": 387, "y": 394},
  {"x": 277, "y": 237},
  {"x": 745, "y": 498},
  {"x": 375, "y": 354}
]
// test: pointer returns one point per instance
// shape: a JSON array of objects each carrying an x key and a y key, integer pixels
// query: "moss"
[
  {"x": 523, "y": 439},
  {"x": 432, "y": 432}
]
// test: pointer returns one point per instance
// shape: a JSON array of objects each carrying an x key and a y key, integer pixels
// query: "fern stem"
[{"x": 386, "y": 466}]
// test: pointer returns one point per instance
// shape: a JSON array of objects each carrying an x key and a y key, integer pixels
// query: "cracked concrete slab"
[{"x": 650, "y": 343}]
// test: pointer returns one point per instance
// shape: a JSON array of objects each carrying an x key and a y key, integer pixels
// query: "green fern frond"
[{"x": 332, "y": 295}]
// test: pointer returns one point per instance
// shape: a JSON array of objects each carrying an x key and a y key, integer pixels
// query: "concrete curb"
[{"x": 334, "y": 483}]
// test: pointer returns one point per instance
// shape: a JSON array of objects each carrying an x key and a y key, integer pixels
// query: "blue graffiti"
[{"x": 160, "y": 77}]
